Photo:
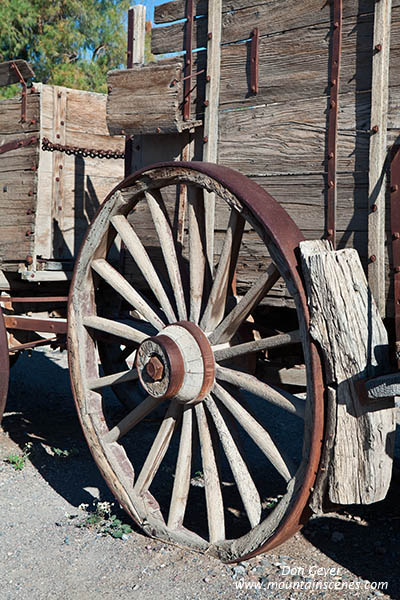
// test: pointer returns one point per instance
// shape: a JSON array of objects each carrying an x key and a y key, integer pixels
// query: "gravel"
[{"x": 47, "y": 551}]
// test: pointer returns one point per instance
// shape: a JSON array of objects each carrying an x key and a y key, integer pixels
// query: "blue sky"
[{"x": 149, "y": 7}]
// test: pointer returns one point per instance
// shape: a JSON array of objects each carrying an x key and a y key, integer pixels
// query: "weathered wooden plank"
[
  {"x": 146, "y": 99},
  {"x": 10, "y": 115},
  {"x": 311, "y": 11},
  {"x": 9, "y": 75},
  {"x": 271, "y": 18},
  {"x": 378, "y": 152},
  {"x": 346, "y": 323}
]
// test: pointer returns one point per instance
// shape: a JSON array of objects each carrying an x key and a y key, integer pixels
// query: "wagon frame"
[{"x": 184, "y": 261}]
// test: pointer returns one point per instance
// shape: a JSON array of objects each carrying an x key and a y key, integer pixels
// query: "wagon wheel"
[
  {"x": 215, "y": 475},
  {"x": 4, "y": 365}
]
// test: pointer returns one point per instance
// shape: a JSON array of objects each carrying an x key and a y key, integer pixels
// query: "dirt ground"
[{"x": 48, "y": 551}]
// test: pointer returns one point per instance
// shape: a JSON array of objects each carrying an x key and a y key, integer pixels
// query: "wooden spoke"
[
  {"x": 209, "y": 213},
  {"x": 258, "y": 434},
  {"x": 251, "y": 384},
  {"x": 181, "y": 488},
  {"x": 100, "y": 382},
  {"x": 165, "y": 236},
  {"x": 275, "y": 341},
  {"x": 120, "y": 285},
  {"x": 142, "y": 259},
  {"x": 226, "y": 330},
  {"x": 214, "y": 501},
  {"x": 247, "y": 489},
  {"x": 197, "y": 256},
  {"x": 158, "y": 449},
  {"x": 132, "y": 419},
  {"x": 215, "y": 308},
  {"x": 115, "y": 328}
]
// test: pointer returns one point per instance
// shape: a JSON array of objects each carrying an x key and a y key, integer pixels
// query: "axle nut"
[{"x": 155, "y": 368}]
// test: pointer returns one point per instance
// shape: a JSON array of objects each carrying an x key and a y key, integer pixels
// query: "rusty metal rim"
[
  {"x": 4, "y": 365},
  {"x": 279, "y": 229}
]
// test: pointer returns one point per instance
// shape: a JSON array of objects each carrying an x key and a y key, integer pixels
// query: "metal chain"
[{"x": 84, "y": 152}]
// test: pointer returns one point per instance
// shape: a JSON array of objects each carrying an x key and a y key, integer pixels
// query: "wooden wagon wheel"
[
  {"x": 4, "y": 365},
  {"x": 215, "y": 475}
]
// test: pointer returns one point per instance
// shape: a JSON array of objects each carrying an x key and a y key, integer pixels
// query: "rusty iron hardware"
[
  {"x": 35, "y": 299},
  {"x": 333, "y": 121},
  {"x": 23, "y": 94},
  {"x": 254, "y": 60},
  {"x": 33, "y": 344},
  {"x": 31, "y": 324},
  {"x": 187, "y": 84},
  {"x": 129, "y": 64},
  {"x": 395, "y": 229},
  {"x": 17, "y": 144},
  {"x": 84, "y": 152}
]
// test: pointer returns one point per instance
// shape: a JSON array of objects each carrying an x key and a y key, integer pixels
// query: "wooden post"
[
  {"x": 136, "y": 42},
  {"x": 210, "y": 151},
  {"x": 378, "y": 152},
  {"x": 359, "y": 438}
]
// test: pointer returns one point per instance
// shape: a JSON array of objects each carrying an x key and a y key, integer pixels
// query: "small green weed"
[
  {"x": 18, "y": 460},
  {"x": 64, "y": 453},
  {"x": 102, "y": 519}
]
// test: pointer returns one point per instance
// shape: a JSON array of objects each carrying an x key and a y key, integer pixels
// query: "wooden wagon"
[{"x": 245, "y": 359}]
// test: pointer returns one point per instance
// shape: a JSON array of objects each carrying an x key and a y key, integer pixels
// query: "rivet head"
[
  {"x": 378, "y": 47},
  {"x": 372, "y": 258},
  {"x": 158, "y": 130},
  {"x": 396, "y": 269},
  {"x": 394, "y": 188},
  {"x": 374, "y": 207},
  {"x": 396, "y": 235},
  {"x": 331, "y": 155},
  {"x": 209, "y": 35},
  {"x": 375, "y": 129},
  {"x": 205, "y": 139},
  {"x": 331, "y": 184}
]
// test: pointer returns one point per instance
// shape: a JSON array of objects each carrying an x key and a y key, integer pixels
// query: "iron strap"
[
  {"x": 395, "y": 227},
  {"x": 187, "y": 85},
  {"x": 17, "y": 144},
  {"x": 84, "y": 152},
  {"x": 333, "y": 121}
]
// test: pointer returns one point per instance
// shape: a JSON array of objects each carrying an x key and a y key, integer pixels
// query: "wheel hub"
[{"x": 178, "y": 363}]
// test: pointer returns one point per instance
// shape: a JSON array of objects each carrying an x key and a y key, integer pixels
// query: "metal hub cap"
[{"x": 178, "y": 363}]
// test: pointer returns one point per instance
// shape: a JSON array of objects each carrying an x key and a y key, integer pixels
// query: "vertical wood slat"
[
  {"x": 377, "y": 152},
  {"x": 135, "y": 55},
  {"x": 211, "y": 112},
  {"x": 58, "y": 183}
]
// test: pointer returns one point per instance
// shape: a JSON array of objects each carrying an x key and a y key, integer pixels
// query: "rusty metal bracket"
[
  {"x": 31, "y": 324},
  {"x": 254, "y": 60},
  {"x": 23, "y": 94},
  {"x": 187, "y": 85},
  {"x": 336, "y": 50},
  {"x": 395, "y": 228},
  {"x": 17, "y": 144}
]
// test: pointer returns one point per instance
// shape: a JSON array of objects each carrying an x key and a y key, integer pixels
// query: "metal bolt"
[
  {"x": 158, "y": 130},
  {"x": 208, "y": 78},
  {"x": 253, "y": 88},
  {"x": 209, "y": 35},
  {"x": 109, "y": 89},
  {"x": 396, "y": 235},
  {"x": 61, "y": 122},
  {"x": 155, "y": 368},
  {"x": 28, "y": 259},
  {"x": 336, "y": 24},
  {"x": 122, "y": 131},
  {"x": 330, "y": 232},
  {"x": 396, "y": 269},
  {"x": 372, "y": 258},
  {"x": 33, "y": 121},
  {"x": 205, "y": 139},
  {"x": 333, "y": 82},
  {"x": 394, "y": 188},
  {"x": 60, "y": 166},
  {"x": 206, "y": 103},
  {"x": 375, "y": 129},
  {"x": 33, "y": 168},
  {"x": 58, "y": 136},
  {"x": 57, "y": 179},
  {"x": 332, "y": 104},
  {"x": 30, "y": 193},
  {"x": 378, "y": 47},
  {"x": 331, "y": 155},
  {"x": 374, "y": 207},
  {"x": 331, "y": 184},
  {"x": 28, "y": 233},
  {"x": 59, "y": 95}
]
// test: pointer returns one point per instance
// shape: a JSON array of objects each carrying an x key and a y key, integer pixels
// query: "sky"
[{"x": 149, "y": 7}]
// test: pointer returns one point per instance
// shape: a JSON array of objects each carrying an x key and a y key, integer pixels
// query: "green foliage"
[
  {"x": 102, "y": 519},
  {"x": 64, "y": 453},
  {"x": 68, "y": 42},
  {"x": 18, "y": 460}
]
